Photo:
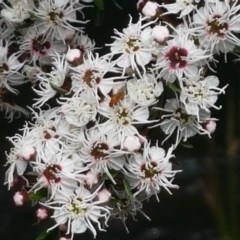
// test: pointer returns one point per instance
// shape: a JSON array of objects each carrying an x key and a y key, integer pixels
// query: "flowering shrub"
[{"x": 89, "y": 152}]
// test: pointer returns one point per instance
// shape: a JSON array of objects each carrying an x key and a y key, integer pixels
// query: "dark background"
[{"x": 206, "y": 207}]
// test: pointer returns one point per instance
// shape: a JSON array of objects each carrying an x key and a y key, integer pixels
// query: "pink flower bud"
[
  {"x": 141, "y": 4},
  {"x": 160, "y": 34},
  {"x": 64, "y": 238},
  {"x": 150, "y": 9},
  {"x": 104, "y": 195},
  {"x": 211, "y": 126},
  {"x": 132, "y": 143},
  {"x": 91, "y": 178},
  {"x": 42, "y": 213},
  {"x": 74, "y": 57},
  {"x": 20, "y": 197}
]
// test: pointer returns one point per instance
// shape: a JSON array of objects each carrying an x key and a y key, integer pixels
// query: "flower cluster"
[{"x": 90, "y": 153}]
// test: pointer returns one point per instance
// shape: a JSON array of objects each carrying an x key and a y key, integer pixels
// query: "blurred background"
[{"x": 207, "y": 205}]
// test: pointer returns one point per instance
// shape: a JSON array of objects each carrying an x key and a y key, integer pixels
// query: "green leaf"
[
  {"x": 127, "y": 188},
  {"x": 34, "y": 196},
  {"x": 43, "y": 235},
  {"x": 58, "y": 89},
  {"x": 187, "y": 145},
  {"x": 174, "y": 87},
  {"x": 99, "y": 4},
  {"x": 236, "y": 49}
]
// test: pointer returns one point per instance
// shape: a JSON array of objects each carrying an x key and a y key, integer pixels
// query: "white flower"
[
  {"x": 18, "y": 11},
  {"x": 17, "y": 167},
  {"x": 216, "y": 24},
  {"x": 178, "y": 121},
  {"x": 55, "y": 18},
  {"x": 79, "y": 211},
  {"x": 17, "y": 159},
  {"x": 49, "y": 132},
  {"x": 51, "y": 83},
  {"x": 183, "y": 6},
  {"x": 11, "y": 109},
  {"x": 100, "y": 152},
  {"x": 144, "y": 91},
  {"x": 56, "y": 172},
  {"x": 133, "y": 46},
  {"x": 91, "y": 74},
  {"x": 151, "y": 170},
  {"x": 80, "y": 109},
  {"x": 179, "y": 58},
  {"x": 200, "y": 94},
  {"x": 123, "y": 117},
  {"x": 10, "y": 74},
  {"x": 39, "y": 47}
]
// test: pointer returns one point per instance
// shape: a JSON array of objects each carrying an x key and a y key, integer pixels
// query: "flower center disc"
[
  {"x": 51, "y": 171},
  {"x": 149, "y": 171},
  {"x": 216, "y": 27},
  {"x": 39, "y": 45},
  {"x": 176, "y": 57},
  {"x": 99, "y": 150}
]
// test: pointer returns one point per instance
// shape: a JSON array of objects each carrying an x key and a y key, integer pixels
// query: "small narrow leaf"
[
  {"x": 34, "y": 196},
  {"x": 127, "y": 188},
  {"x": 43, "y": 235},
  {"x": 174, "y": 87},
  {"x": 58, "y": 89},
  {"x": 99, "y": 4}
]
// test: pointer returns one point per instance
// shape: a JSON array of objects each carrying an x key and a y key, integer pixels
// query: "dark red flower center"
[
  {"x": 99, "y": 150},
  {"x": 50, "y": 173},
  {"x": 40, "y": 45},
  {"x": 216, "y": 27},
  {"x": 177, "y": 57},
  {"x": 91, "y": 76}
]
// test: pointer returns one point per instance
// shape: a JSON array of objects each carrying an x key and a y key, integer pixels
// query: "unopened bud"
[
  {"x": 74, "y": 57},
  {"x": 150, "y": 9},
  {"x": 132, "y": 143},
  {"x": 20, "y": 198},
  {"x": 42, "y": 213},
  {"x": 160, "y": 34},
  {"x": 104, "y": 195},
  {"x": 211, "y": 126}
]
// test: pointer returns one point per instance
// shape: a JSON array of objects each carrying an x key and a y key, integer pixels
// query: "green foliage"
[{"x": 99, "y": 4}]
